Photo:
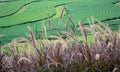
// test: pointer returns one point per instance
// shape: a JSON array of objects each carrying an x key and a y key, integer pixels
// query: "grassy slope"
[
  {"x": 32, "y": 12},
  {"x": 20, "y": 30},
  {"x": 7, "y": 8},
  {"x": 100, "y": 10}
]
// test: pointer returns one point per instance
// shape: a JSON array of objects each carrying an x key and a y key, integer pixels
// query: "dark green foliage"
[{"x": 33, "y": 13}]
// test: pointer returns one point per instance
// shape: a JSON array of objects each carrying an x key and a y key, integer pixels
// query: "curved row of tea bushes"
[
  {"x": 33, "y": 12},
  {"x": 100, "y": 10},
  {"x": 9, "y": 8}
]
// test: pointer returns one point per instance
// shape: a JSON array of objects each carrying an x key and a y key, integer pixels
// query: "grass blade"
[
  {"x": 61, "y": 15},
  {"x": 83, "y": 31}
]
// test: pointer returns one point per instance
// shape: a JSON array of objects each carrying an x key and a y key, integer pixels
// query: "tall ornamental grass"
[{"x": 64, "y": 55}]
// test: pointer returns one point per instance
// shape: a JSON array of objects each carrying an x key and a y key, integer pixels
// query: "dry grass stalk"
[
  {"x": 67, "y": 30},
  {"x": 42, "y": 43},
  {"x": 61, "y": 15},
  {"x": 109, "y": 31},
  {"x": 73, "y": 25},
  {"x": 58, "y": 38},
  {"x": 53, "y": 62},
  {"x": 49, "y": 24},
  {"x": 70, "y": 35},
  {"x": 97, "y": 56},
  {"x": 44, "y": 31},
  {"x": 33, "y": 40},
  {"x": 74, "y": 30},
  {"x": 21, "y": 40},
  {"x": 115, "y": 69},
  {"x": 99, "y": 28},
  {"x": 100, "y": 31},
  {"x": 24, "y": 58},
  {"x": 84, "y": 20},
  {"x": 89, "y": 22},
  {"x": 61, "y": 41},
  {"x": 101, "y": 23},
  {"x": 82, "y": 30},
  {"x": 34, "y": 43},
  {"x": 91, "y": 30}
]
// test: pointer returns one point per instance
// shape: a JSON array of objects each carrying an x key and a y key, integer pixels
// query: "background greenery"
[{"x": 16, "y": 15}]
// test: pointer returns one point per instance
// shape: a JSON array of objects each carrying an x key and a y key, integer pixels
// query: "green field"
[
  {"x": 15, "y": 15},
  {"x": 8, "y": 8}
]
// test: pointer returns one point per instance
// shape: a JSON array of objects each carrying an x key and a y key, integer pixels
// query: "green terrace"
[{"x": 15, "y": 16}]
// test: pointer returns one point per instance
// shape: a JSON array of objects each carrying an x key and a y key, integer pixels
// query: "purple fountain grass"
[
  {"x": 63, "y": 55},
  {"x": 82, "y": 30}
]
